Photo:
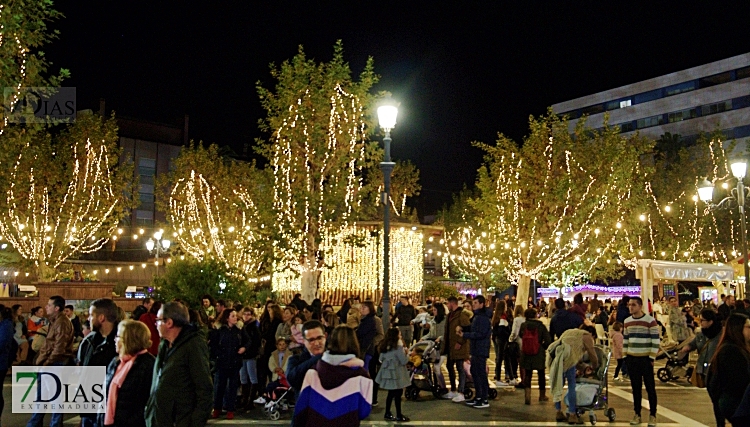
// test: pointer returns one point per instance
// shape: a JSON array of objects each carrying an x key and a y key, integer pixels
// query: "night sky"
[{"x": 462, "y": 72}]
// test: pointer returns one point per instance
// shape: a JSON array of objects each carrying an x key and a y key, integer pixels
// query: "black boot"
[
  {"x": 245, "y": 396},
  {"x": 253, "y": 394}
]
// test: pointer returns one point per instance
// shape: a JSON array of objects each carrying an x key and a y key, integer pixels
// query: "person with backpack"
[
  {"x": 479, "y": 334},
  {"x": 534, "y": 342}
]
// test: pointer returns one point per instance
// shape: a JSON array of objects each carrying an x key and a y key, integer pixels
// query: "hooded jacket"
[
  {"x": 705, "y": 343},
  {"x": 333, "y": 395},
  {"x": 181, "y": 389}
]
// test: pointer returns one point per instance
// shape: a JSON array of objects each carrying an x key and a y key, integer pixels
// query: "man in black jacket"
[
  {"x": 142, "y": 309},
  {"x": 98, "y": 348},
  {"x": 405, "y": 313},
  {"x": 479, "y": 334},
  {"x": 71, "y": 314}
]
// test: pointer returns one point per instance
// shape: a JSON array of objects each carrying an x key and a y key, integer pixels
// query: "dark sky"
[{"x": 463, "y": 71}]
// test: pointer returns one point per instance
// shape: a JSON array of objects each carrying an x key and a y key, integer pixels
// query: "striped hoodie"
[
  {"x": 640, "y": 337},
  {"x": 333, "y": 395}
]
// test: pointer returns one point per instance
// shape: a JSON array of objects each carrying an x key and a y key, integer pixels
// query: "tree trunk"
[
  {"x": 309, "y": 285},
  {"x": 522, "y": 291}
]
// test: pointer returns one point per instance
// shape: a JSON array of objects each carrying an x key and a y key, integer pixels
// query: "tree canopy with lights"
[
  {"x": 559, "y": 202},
  {"x": 63, "y": 194},
  {"x": 219, "y": 209}
]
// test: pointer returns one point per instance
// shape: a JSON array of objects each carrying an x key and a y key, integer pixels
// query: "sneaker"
[
  {"x": 560, "y": 416},
  {"x": 652, "y": 421},
  {"x": 260, "y": 400},
  {"x": 402, "y": 418},
  {"x": 512, "y": 382},
  {"x": 472, "y": 402},
  {"x": 459, "y": 398},
  {"x": 215, "y": 413},
  {"x": 616, "y": 378},
  {"x": 636, "y": 420},
  {"x": 389, "y": 417},
  {"x": 499, "y": 384},
  {"x": 450, "y": 395},
  {"x": 481, "y": 404},
  {"x": 230, "y": 415}
]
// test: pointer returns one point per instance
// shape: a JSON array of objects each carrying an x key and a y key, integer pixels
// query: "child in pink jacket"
[{"x": 615, "y": 338}]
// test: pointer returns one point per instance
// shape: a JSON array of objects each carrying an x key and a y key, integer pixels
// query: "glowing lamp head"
[
  {"x": 705, "y": 190},
  {"x": 387, "y": 116},
  {"x": 150, "y": 244},
  {"x": 739, "y": 168},
  {"x": 158, "y": 235},
  {"x": 165, "y": 244}
]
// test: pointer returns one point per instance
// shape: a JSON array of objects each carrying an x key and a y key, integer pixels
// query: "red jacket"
[{"x": 150, "y": 320}]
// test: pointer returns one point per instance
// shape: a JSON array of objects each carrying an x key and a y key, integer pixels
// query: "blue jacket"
[
  {"x": 563, "y": 320},
  {"x": 479, "y": 334},
  {"x": 6, "y": 334}
]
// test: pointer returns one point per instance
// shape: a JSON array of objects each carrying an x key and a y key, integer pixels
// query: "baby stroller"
[
  {"x": 598, "y": 384},
  {"x": 424, "y": 355},
  {"x": 277, "y": 400},
  {"x": 675, "y": 368},
  {"x": 469, "y": 386}
]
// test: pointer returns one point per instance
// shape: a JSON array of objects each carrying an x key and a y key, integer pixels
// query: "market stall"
[{"x": 650, "y": 270}]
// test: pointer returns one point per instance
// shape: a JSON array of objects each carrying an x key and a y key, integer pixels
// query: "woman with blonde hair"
[
  {"x": 513, "y": 351},
  {"x": 129, "y": 376}
]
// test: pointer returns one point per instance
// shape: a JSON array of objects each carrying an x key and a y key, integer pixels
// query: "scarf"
[{"x": 126, "y": 362}]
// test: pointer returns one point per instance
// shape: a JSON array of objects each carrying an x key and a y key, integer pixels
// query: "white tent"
[{"x": 650, "y": 269}]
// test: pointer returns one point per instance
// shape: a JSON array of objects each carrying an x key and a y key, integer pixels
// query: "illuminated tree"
[
  {"x": 217, "y": 207},
  {"x": 23, "y": 30},
  {"x": 63, "y": 195},
  {"x": 317, "y": 117},
  {"x": 404, "y": 185},
  {"x": 558, "y": 203}
]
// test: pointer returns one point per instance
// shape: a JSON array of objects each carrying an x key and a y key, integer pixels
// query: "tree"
[
  {"x": 557, "y": 204},
  {"x": 190, "y": 279},
  {"x": 317, "y": 117},
  {"x": 404, "y": 185},
  {"x": 23, "y": 31},
  {"x": 219, "y": 208},
  {"x": 438, "y": 289},
  {"x": 64, "y": 194}
]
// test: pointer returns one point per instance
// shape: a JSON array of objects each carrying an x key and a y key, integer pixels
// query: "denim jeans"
[
  {"x": 479, "y": 375},
  {"x": 569, "y": 376},
  {"x": 37, "y": 418},
  {"x": 249, "y": 372},
  {"x": 453, "y": 366},
  {"x": 225, "y": 388}
]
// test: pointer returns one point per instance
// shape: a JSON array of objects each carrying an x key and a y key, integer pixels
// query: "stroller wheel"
[
  {"x": 274, "y": 415},
  {"x": 414, "y": 394},
  {"x": 468, "y": 393},
  {"x": 492, "y": 393},
  {"x": 610, "y": 414},
  {"x": 664, "y": 375},
  {"x": 592, "y": 419}
]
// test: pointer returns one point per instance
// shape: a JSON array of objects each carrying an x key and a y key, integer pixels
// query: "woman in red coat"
[{"x": 150, "y": 320}]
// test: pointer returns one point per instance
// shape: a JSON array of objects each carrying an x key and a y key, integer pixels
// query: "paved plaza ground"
[{"x": 680, "y": 404}]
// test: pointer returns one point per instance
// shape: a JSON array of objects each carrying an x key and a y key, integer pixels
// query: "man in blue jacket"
[
  {"x": 479, "y": 334},
  {"x": 563, "y": 320}
]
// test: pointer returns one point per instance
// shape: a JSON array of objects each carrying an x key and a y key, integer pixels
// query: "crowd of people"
[{"x": 172, "y": 365}]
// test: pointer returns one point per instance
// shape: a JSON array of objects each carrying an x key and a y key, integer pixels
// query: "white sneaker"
[
  {"x": 513, "y": 382},
  {"x": 651, "y": 421},
  {"x": 460, "y": 398},
  {"x": 260, "y": 400},
  {"x": 501, "y": 384},
  {"x": 450, "y": 395}
]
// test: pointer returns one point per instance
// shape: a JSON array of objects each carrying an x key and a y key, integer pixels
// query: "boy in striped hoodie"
[{"x": 640, "y": 344}]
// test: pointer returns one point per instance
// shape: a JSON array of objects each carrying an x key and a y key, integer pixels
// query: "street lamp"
[
  {"x": 387, "y": 117},
  {"x": 737, "y": 194},
  {"x": 159, "y": 246}
]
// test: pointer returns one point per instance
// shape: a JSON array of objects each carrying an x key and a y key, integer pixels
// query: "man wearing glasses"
[
  {"x": 640, "y": 343},
  {"x": 315, "y": 344},
  {"x": 181, "y": 389}
]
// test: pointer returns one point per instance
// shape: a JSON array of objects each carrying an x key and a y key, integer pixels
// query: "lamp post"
[
  {"x": 387, "y": 118},
  {"x": 737, "y": 194},
  {"x": 158, "y": 246}
]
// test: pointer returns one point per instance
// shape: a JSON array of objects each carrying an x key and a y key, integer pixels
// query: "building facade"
[{"x": 687, "y": 103}]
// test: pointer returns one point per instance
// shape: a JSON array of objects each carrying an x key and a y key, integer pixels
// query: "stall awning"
[{"x": 685, "y": 271}]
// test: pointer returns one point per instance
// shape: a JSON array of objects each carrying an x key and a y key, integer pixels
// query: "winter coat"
[
  {"x": 353, "y": 317},
  {"x": 393, "y": 374},
  {"x": 479, "y": 334},
  {"x": 97, "y": 350},
  {"x": 181, "y": 388},
  {"x": 6, "y": 335},
  {"x": 728, "y": 378},
  {"x": 268, "y": 333},
  {"x": 150, "y": 320},
  {"x": 333, "y": 395},
  {"x": 579, "y": 309},
  {"x": 705, "y": 343},
  {"x": 678, "y": 324},
  {"x": 457, "y": 317},
  {"x": 616, "y": 338},
  {"x": 297, "y": 367},
  {"x": 58, "y": 347},
  {"x": 366, "y": 334},
  {"x": 253, "y": 345},
  {"x": 133, "y": 395},
  {"x": 284, "y": 330},
  {"x": 405, "y": 314},
  {"x": 538, "y": 360},
  {"x": 273, "y": 363},
  {"x": 138, "y": 312},
  {"x": 224, "y": 343},
  {"x": 563, "y": 320}
]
